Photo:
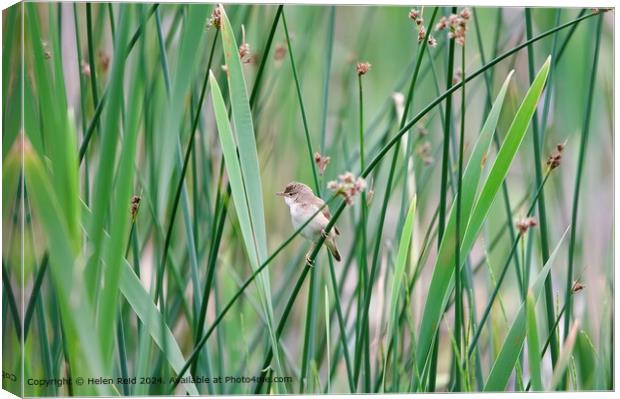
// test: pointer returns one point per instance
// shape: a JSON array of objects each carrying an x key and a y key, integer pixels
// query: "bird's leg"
[{"x": 324, "y": 234}]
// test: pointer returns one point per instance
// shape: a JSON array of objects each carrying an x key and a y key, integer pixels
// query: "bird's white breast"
[{"x": 300, "y": 214}]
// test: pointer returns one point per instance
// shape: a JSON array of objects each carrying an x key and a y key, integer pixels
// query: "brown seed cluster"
[
  {"x": 321, "y": 161},
  {"x": 85, "y": 68},
  {"x": 47, "y": 53},
  {"x": 416, "y": 16},
  {"x": 456, "y": 25},
  {"x": 279, "y": 52},
  {"x": 458, "y": 76},
  {"x": 554, "y": 159},
  {"x": 577, "y": 286},
  {"x": 135, "y": 205},
  {"x": 424, "y": 151},
  {"x": 348, "y": 186},
  {"x": 362, "y": 68},
  {"x": 524, "y": 225},
  {"x": 244, "y": 49},
  {"x": 104, "y": 61},
  {"x": 215, "y": 19}
]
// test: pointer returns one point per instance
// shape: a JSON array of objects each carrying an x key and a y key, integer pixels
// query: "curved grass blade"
[
  {"x": 120, "y": 196},
  {"x": 240, "y": 200},
  {"x": 513, "y": 343},
  {"x": 445, "y": 263},
  {"x": 189, "y": 48},
  {"x": 75, "y": 311},
  {"x": 250, "y": 169},
  {"x": 533, "y": 351},
  {"x": 399, "y": 274},
  {"x": 565, "y": 357},
  {"x": 144, "y": 307},
  {"x": 141, "y": 303}
]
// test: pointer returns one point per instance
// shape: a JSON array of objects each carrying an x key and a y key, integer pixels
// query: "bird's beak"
[{"x": 280, "y": 194}]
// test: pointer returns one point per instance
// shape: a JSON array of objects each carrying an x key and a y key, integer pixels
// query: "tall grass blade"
[
  {"x": 190, "y": 43},
  {"x": 117, "y": 200},
  {"x": 247, "y": 197},
  {"x": 533, "y": 350},
  {"x": 444, "y": 268},
  {"x": 82, "y": 349},
  {"x": 565, "y": 358},
  {"x": 142, "y": 304},
  {"x": 513, "y": 343},
  {"x": 397, "y": 279}
]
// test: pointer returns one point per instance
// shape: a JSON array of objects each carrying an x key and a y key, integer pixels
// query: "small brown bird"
[{"x": 303, "y": 204}]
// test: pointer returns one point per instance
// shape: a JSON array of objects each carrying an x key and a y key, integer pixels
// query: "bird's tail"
[{"x": 331, "y": 245}]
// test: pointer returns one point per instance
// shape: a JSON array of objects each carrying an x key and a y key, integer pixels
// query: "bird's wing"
[{"x": 325, "y": 211}]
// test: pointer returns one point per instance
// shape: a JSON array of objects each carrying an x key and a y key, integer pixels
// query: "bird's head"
[{"x": 294, "y": 190}]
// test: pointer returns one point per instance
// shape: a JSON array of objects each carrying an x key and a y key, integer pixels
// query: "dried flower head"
[
  {"x": 362, "y": 68},
  {"x": 85, "y": 68},
  {"x": 421, "y": 33},
  {"x": 458, "y": 75},
  {"x": 424, "y": 151},
  {"x": 215, "y": 20},
  {"x": 432, "y": 42},
  {"x": 442, "y": 24},
  {"x": 321, "y": 161},
  {"x": 456, "y": 24},
  {"x": 465, "y": 14},
  {"x": 279, "y": 52},
  {"x": 524, "y": 224},
  {"x": 348, "y": 186},
  {"x": 554, "y": 159},
  {"x": 600, "y": 10},
  {"x": 104, "y": 61},
  {"x": 244, "y": 53},
  {"x": 415, "y": 14},
  {"x": 135, "y": 205},
  {"x": 370, "y": 194},
  {"x": 244, "y": 48},
  {"x": 577, "y": 286}
]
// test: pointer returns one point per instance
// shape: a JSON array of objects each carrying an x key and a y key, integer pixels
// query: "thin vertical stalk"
[
  {"x": 585, "y": 132},
  {"x": 313, "y": 288},
  {"x": 328, "y": 65},
  {"x": 458, "y": 295},
  {"x": 542, "y": 213},
  {"x": 367, "y": 285},
  {"x": 508, "y": 208},
  {"x": 444, "y": 188},
  {"x": 388, "y": 189},
  {"x": 301, "y": 105},
  {"x": 487, "y": 310}
]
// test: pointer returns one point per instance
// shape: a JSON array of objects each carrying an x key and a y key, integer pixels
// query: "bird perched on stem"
[{"x": 303, "y": 204}]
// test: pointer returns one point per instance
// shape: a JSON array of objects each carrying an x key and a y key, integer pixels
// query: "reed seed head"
[
  {"x": 456, "y": 25},
  {"x": 432, "y": 42},
  {"x": 104, "y": 61},
  {"x": 215, "y": 20},
  {"x": 421, "y": 33},
  {"x": 135, "y": 206},
  {"x": 347, "y": 186},
  {"x": 577, "y": 286},
  {"x": 85, "y": 68},
  {"x": 321, "y": 161},
  {"x": 525, "y": 224},
  {"x": 362, "y": 68},
  {"x": 554, "y": 159},
  {"x": 279, "y": 52}
]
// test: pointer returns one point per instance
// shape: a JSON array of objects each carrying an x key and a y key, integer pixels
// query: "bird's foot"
[
  {"x": 324, "y": 234},
  {"x": 309, "y": 261}
]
